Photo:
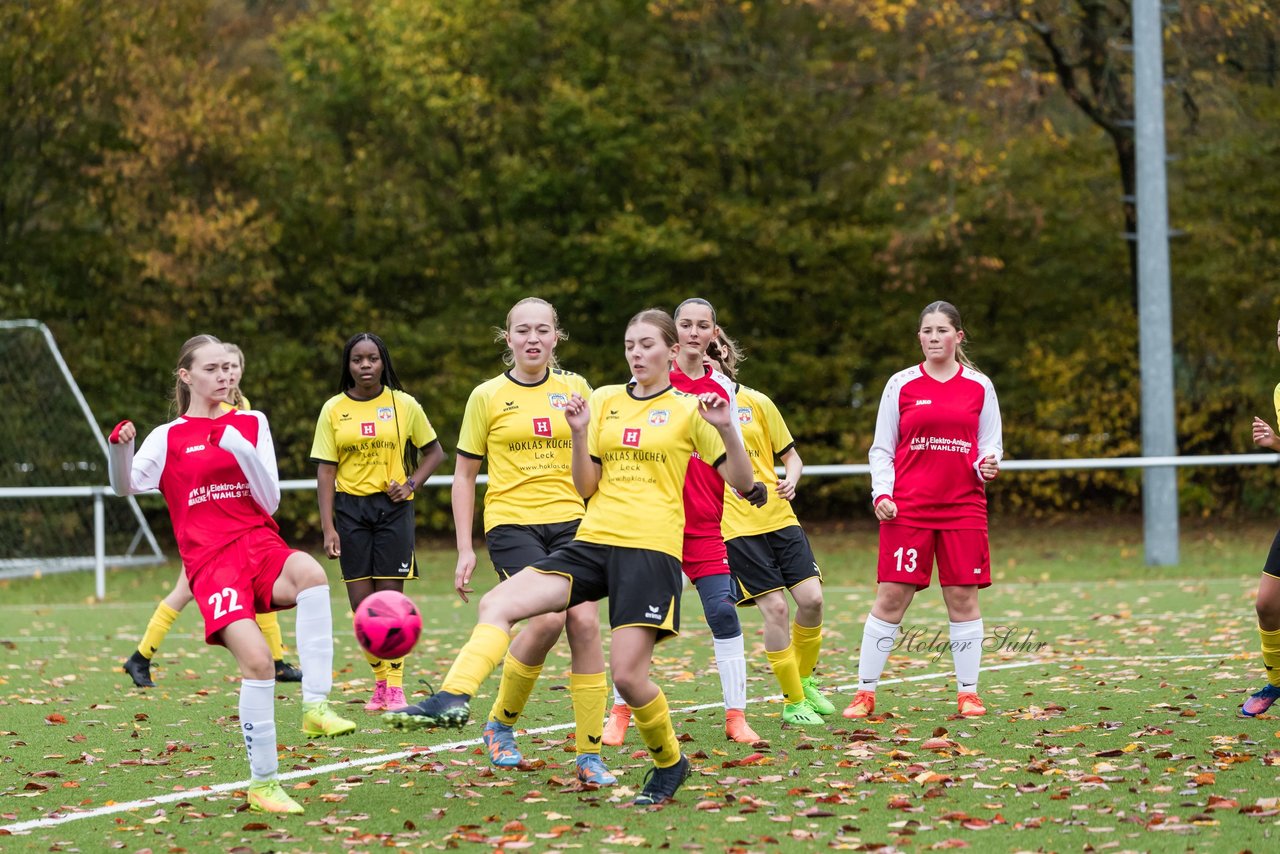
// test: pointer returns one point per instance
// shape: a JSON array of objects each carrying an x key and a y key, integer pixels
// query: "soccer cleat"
[
  {"x": 500, "y": 742},
  {"x": 615, "y": 729},
  {"x": 801, "y": 714},
  {"x": 814, "y": 695},
  {"x": 660, "y": 784},
  {"x": 737, "y": 729},
  {"x": 286, "y": 672},
  {"x": 378, "y": 702},
  {"x": 970, "y": 706},
  {"x": 395, "y": 698},
  {"x": 440, "y": 709},
  {"x": 139, "y": 669},
  {"x": 1260, "y": 702},
  {"x": 267, "y": 796},
  {"x": 861, "y": 706},
  {"x": 592, "y": 771},
  {"x": 319, "y": 719}
]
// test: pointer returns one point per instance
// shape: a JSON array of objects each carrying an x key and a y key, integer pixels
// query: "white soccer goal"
[{"x": 53, "y": 469}]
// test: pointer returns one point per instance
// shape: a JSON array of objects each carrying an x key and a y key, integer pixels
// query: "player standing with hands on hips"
[
  {"x": 937, "y": 444},
  {"x": 373, "y": 446},
  {"x": 217, "y": 472},
  {"x": 1268, "y": 599}
]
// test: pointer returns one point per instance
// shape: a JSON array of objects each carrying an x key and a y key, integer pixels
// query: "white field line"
[{"x": 203, "y": 791}]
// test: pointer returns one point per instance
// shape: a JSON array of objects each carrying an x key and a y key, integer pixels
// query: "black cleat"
[
  {"x": 440, "y": 709},
  {"x": 660, "y": 784},
  {"x": 286, "y": 672},
  {"x": 139, "y": 669}
]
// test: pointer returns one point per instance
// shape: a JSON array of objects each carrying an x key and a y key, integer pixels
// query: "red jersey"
[
  {"x": 703, "y": 486},
  {"x": 930, "y": 437},
  {"x": 215, "y": 492}
]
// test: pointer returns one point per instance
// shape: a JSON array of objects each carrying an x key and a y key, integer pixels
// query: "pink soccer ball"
[{"x": 387, "y": 624}]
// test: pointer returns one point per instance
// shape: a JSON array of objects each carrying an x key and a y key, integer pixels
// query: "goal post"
[{"x": 54, "y": 469}]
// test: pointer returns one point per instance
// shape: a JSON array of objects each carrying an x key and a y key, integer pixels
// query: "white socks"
[
  {"x": 315, "y": 643},
  {"x": 878, "y": 638},
  {"x": 258, "y": 725},
  {"x": 731, "y": 660},
  {"x": 966, "y": 652}
]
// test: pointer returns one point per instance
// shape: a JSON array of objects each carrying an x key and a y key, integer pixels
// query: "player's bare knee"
[
  {"x": 257, "y": 665},
  {"x": 582, "y": 624},
  {"x": 774, "y": 609}
]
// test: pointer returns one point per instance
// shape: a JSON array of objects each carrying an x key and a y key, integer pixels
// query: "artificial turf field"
[{"x": 1113, "y": 688}]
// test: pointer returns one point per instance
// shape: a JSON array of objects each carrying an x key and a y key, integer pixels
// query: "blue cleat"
[
  {"x": 500, "y": 742},
  {"x": 591, "y": 770}
]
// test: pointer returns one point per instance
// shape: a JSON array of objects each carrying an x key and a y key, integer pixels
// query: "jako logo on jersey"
[
  {"x": 192, "y": 449},
  {"x": 368, "y": 428},
  {"x": 658, "y": 417},
  {"x": 385, "y": 413},
  {"x": 558, "y": 400},
  {"x": 542, "y": 426},
  {"x": 744, "y": 415},
  {"x": 631, "y": 437},
  {"x": 923, "y": 402}
]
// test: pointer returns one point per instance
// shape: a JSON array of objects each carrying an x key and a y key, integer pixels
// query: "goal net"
[{"x": 52, "y": 450}]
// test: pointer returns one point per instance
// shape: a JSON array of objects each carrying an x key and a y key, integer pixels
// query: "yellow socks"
[
  {"x": 270, "y": 625},
  {"x": 590, "y": 696},
  {"x": 787, "y": 672},
  {"x": 514, "y": 689},
  {"x": 1271, "y": 655},
  {"x": 157, "y": 627},
  {"x": 653, "y": 720},
  {"x": 478, "y": 658},
  {"x": 379, "y": 666},
  {"x": 807, "y": 641},
  {"x": 394, "y": 672}
]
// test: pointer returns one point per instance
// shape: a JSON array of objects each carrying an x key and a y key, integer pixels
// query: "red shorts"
[
  {"x": 704, "y": 556},
  {"x": 236, "y": 582},
  {"x": 907, "y": 554}
]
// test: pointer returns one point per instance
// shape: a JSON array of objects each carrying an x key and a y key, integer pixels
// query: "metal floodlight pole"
[{"x": 1155, "y": 314}]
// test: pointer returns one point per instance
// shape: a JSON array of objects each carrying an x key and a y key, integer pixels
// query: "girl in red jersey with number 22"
[
  {"x": 217, "y": 472},
  {"x": 937, "y": 445}
]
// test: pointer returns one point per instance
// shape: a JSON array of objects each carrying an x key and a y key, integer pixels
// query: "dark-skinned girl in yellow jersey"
[
  {"x": 138, "y": 665},
  {"x": 1267, "y": 603},
  {"x": 531, "y": 508},
  {"x": 631, "y": 449},
  {"x": 367, "y": 437},
  {"x": 769, "y": 554}
]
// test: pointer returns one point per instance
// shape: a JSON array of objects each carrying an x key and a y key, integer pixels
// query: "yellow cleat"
[
  {"x": 318, "y": 719},
  {"x": 267, "y": 796}
]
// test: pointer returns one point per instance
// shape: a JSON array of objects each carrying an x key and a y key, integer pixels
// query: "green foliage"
[{"x": 287, "y": 174}]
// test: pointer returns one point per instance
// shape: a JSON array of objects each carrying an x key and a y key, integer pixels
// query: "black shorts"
[
  {"x": 1272, "y": 566},
  {"x": 763, "y": 563},
  {"x": 513, "y": 547},
  {"x": 643, "y": 586},
  {"x": 376, "y": 537}
]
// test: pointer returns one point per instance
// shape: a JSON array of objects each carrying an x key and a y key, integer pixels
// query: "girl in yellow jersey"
[
  {"x": 769, "y": 554},
  {"x": 367, "y": 437},
  {"x": 531, "y": 509},
  {"x": 138, "y": 665},
  {"x": 1267, "y": 603},
  {"x": 631, "y": 449}
]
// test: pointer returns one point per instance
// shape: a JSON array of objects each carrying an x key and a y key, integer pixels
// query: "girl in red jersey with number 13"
[{"x": 937, "y": 445}]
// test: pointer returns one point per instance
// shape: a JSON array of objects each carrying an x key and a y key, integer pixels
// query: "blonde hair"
[
  {"x": 500, "y": 334},
  {"x": 952, "y": 314},
  {"x": 187, "y": 355},
  {"x": 236, "y": 398}
]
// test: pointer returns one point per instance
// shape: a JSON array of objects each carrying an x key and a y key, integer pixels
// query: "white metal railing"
[{"x": 100, "y": 493}]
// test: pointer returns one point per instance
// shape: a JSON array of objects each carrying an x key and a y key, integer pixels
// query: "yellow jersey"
[
  {"x": 367, "y": 439},
  {"x": 521, "y": 429},
  {"x": 644, "y": 446},
  {"x": 765, "y": 436}
]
